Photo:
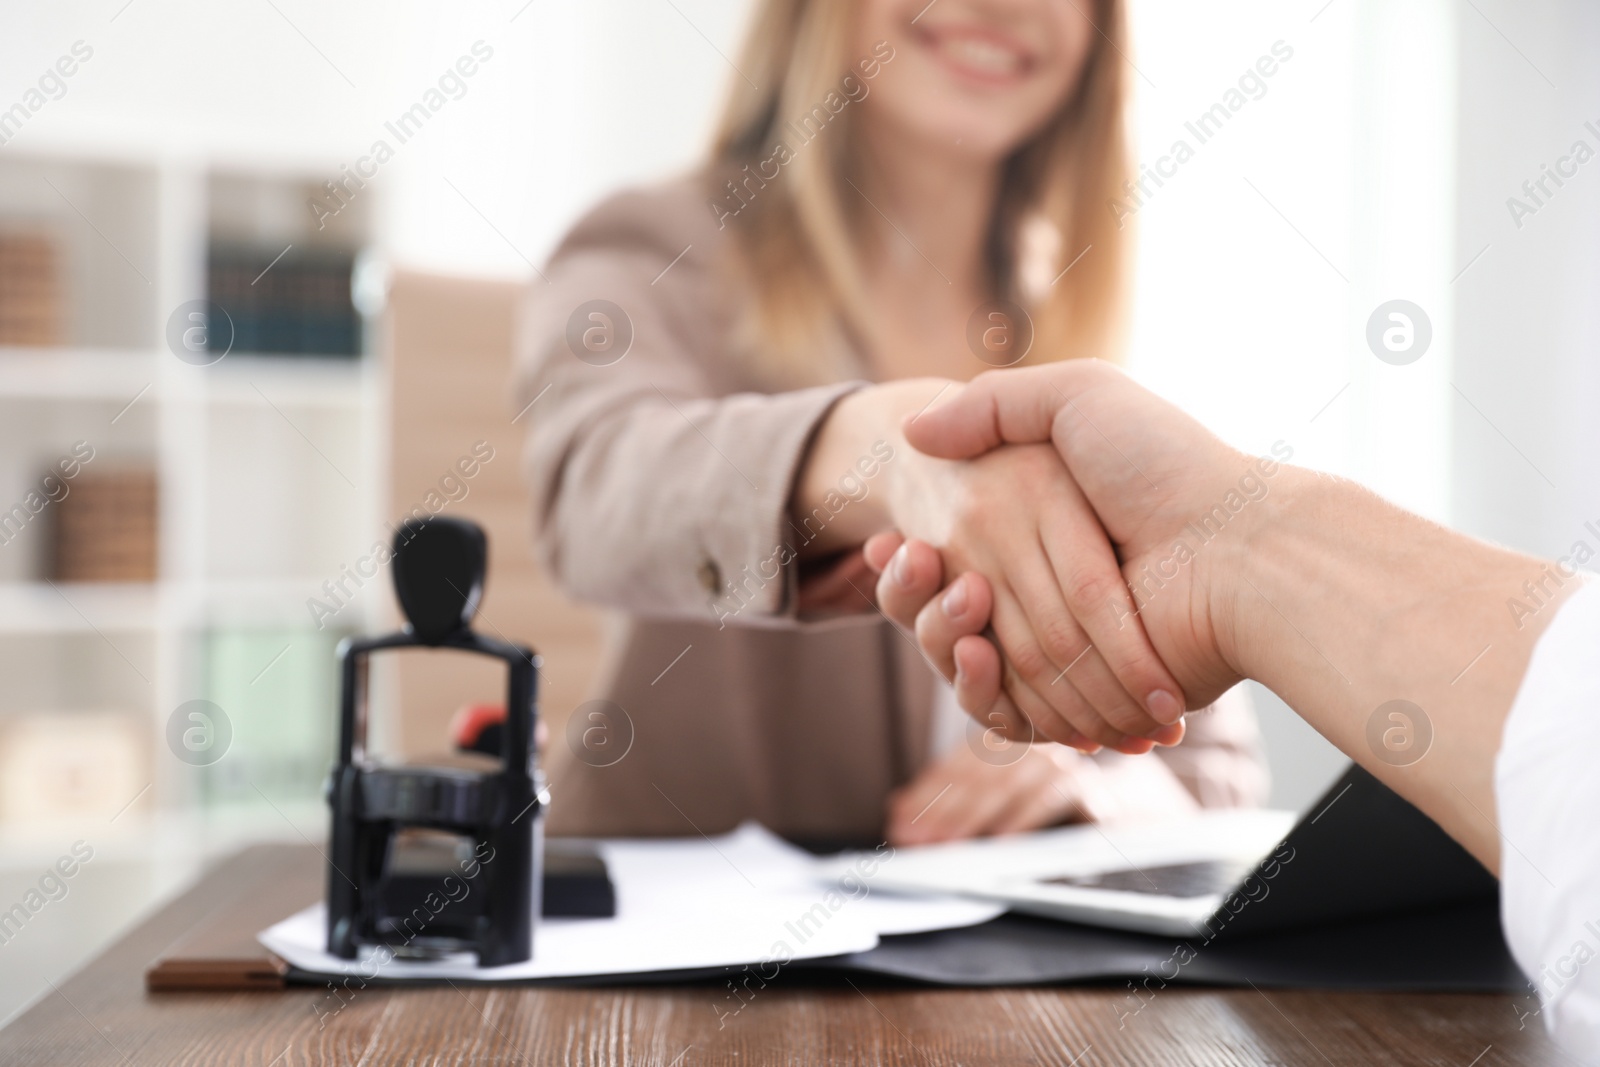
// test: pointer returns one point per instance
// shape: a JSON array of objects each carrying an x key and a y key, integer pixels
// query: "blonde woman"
[{"x": 900, "y": 195}]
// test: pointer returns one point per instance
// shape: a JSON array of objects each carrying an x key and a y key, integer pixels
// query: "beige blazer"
[{"x": 660, "y": 462}]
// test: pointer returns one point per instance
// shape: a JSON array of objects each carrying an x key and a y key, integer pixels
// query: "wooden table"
[{"x": 104, "y": 1016}]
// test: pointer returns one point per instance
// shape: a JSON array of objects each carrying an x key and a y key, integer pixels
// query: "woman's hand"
[
  {"x": 950, "y": 624},
  {"x": 839, "y": 498},
  {"x": 836, "y": 585},
  {"x": 964, "y": 794},
  {"x": 1080, "y": 669}
]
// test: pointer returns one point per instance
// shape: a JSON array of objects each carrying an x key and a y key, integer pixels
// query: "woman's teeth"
[{"x": 986, "y": 57}]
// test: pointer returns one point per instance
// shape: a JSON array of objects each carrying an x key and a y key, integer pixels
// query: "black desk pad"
[{"x": 1459, "y": 949}]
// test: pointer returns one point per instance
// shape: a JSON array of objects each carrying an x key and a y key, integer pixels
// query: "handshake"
[
  {"x": 1078, "y": 591},
  {"x": 1085, "y": 563}
]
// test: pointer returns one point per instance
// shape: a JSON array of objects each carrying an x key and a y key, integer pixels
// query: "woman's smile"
[
  {"x": 978, "y": 54},
  {"x": 987, "y": 75}
]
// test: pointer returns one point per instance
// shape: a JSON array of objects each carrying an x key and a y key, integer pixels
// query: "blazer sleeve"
[{"x": 655, "y": 489}]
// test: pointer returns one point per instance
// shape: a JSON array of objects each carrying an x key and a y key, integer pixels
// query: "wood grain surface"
[{"x": 103, "y": 1015}]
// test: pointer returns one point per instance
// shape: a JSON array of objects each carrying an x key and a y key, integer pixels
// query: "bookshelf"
[{"x": 266, "y": 469}]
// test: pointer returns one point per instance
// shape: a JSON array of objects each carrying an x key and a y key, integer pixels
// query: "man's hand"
[
  {"x": 1080, "y": 667},
  {"x": 1336, "y": 600},
  {"x": 1075, "y": 670},
  {"x": 1149, "y": 472}
]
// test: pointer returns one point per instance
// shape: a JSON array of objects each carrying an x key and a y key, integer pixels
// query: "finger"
[
  {"x": 913, "y": 576},
  {"x": 1069, "y": 655},
  {"x": 1080, "y": 729},
  {"x": 1043, "y": 809},
  {"x": 1069, "y": 717},
  {"x": 1031, "y": 675},
  {"x": 850, "y": 583},
  {"x": 1044, "y": 803},
  {"x": 912, "y": 799},
  {"x": 840, "y": 585},
  {"x": 980, "y": 675},
  {"x": 1010, "y": 406},
  {"x": 921, "y": 821},
  {"x": 1168, "y": 736},
  {"x": 1090, "y": 579},
  {"x": 1045, "y": 723},
  {"x": 979, "y": 687},
  {"x": 960, "y": 611},
  {"x": 1096, "y": 685},
  {"x": 927, "y": 813},
  {"x": 975, "y": 814},
  {"x": 880, "y": 547},
  {"x": 969, "y": 808}
]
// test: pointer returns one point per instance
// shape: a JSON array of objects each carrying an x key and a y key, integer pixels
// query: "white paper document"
[{"x": 743, "y": 898}]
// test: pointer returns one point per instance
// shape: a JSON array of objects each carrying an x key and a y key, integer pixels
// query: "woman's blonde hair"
[{"x": 793, "y": 229}]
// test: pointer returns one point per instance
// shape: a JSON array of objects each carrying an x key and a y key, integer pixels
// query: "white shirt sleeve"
[{"x": 1547, "y": 788}]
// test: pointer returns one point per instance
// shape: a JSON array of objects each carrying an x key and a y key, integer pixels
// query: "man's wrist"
[
  {"x": 1400, "y": 641},
  {"x": 1234, "y": 582}
]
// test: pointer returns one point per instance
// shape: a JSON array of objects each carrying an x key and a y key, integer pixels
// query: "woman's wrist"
[{"x": 854, "y": 470}]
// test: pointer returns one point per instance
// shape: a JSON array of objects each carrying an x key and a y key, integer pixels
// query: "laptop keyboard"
[{"x": 1201, "y": 879}]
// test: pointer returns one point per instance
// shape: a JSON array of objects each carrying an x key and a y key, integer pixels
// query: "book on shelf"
[
  {"x": 106, "y": 527},
  {"x": 31, "y": 301},
  {"x": 71, "y": 764},
  {"x": 299, "y": 304},
  {"x": 279, "y": 687}
]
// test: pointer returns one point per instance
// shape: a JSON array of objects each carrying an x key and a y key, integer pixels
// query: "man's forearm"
[
  {"x": 1342, "y": 603},
  {"x": 1339, "y": 602}
]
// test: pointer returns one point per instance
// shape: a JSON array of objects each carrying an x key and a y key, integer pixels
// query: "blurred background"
[{"x": 212, "y": 541}]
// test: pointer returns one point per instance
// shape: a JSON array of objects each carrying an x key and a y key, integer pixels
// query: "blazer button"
[{"x": 710, "y": 577}]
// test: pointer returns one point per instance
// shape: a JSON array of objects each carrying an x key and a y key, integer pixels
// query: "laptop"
[{"x": 1358, "y": 850}]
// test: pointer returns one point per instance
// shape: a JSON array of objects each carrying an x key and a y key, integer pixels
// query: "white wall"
[
  {"x": 587, "y": 98},
  {"x": 1263, "y": 257},
  {"x": 577, "y": 99},
  {"x": 1361, "y": 175},
  {"x": 1529, "y": 310}
]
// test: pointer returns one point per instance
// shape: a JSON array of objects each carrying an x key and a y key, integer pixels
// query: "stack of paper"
[{"x": 743, "y": 898}]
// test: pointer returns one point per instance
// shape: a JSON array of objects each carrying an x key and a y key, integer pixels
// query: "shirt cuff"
[{"x": 1546, "y": 792}]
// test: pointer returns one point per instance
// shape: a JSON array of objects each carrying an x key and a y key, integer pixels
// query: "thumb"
[{"x": 1000, "y": 407}]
